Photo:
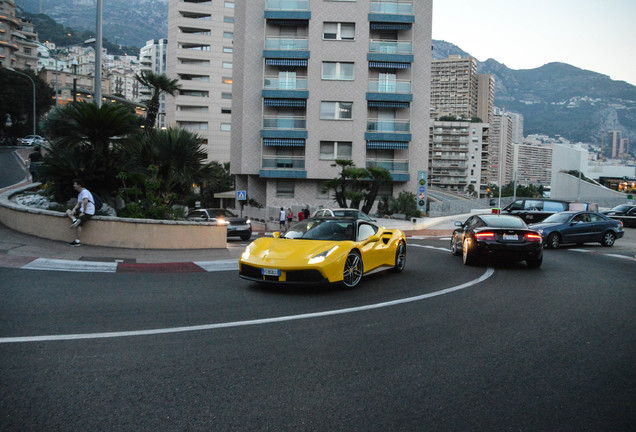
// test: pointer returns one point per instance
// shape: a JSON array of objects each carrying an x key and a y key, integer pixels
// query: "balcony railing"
[
  {"x": 396, "y": 126},
  {"x": 275, "y": 83},
  {"x": 390, "y": 47},
  {"x": 392, "y": 165},
  {"x": 284, "y": 162},
  {"x": 286, "y": 44},
  {"x": 287, "y": 5},
  {"x": 285, "y": 123},
  {"x": 396, "y": 7},
  {"x": 381, "y": 86}
]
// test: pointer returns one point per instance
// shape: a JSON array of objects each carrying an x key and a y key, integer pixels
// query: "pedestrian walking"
[{"x": 282, "y": 218}]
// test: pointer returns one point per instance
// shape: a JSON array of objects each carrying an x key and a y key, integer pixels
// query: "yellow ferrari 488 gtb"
[{"x": 316, "y": 250}]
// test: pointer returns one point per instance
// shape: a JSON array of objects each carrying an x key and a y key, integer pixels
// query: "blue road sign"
[{"x": 241, "y": 195}]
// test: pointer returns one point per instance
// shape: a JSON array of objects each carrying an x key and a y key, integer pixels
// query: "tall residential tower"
[
  {"x": 324, "y": 80},
  {"x": 200, "y": 35}
]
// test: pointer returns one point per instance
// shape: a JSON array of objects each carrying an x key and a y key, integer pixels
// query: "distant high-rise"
[
  {"x": 325, "y": 80},
  {"x": 152, "y": 58},
  {"x": 500, "y": 150},
  {"x": 485, "y": 97},
  {"x": 200, "y": 48}
]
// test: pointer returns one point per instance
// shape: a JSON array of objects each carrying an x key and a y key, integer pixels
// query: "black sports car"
[
  {"x": 236, "y": 226},
  {"x": 625, "y": 213},
  {"x": 503, "y": 237}
]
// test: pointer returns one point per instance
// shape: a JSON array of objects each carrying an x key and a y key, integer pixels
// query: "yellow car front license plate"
[{"x": 270, "y": 272}]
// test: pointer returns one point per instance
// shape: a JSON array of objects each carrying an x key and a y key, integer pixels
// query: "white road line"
[
  {"x": 489, "y": 272},
  {"x": 621, "y": 256},
  {"x": 221, "y": 265},
  {"x": 72, "y": 266},
  {"x": 581, "y": 250}
]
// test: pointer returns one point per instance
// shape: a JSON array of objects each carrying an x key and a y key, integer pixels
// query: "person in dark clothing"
[
  {"x": 306, "y": 212},
  {"x": 35, "y": 159}
]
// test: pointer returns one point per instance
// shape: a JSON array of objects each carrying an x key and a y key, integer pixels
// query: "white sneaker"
[
  {"x": 75, "y": 223},
  {"x": 75, "y": 243}
]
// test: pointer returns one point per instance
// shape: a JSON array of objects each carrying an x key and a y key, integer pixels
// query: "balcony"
[
  {"x": 281, "y": 47},
  {"x": 396, "y": 91},
  {"x": 287, "y": 9},
  {"x": 275, "y": 87},
  {"x": 392, "y": 12},
  {"x": 388, "y": 130},
  {"x": 284, "y": 127},
  {"x": 390, "y": 51},
  {"x": 283, "y": 167},
  {"x": 398, "y": 168}
]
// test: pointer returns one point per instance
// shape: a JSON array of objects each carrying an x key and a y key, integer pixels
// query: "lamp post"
[
  {"x": 32, "y": 82},
  {"x": 74, "y": 64},
  {"x": 98, "y": 56}
]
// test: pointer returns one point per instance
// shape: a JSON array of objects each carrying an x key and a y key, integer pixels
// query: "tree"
[
  {"x": 89, "y": 142},
  {"x": 159, "y": 84},
  {"x": 357, "y": 184},
  {"x": 16, "y": 101}
]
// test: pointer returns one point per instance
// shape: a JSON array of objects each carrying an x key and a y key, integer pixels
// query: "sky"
[{"x": 597, "y": 35}]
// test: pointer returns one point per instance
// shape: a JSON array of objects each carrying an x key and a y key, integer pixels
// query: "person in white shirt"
[
  {"x": 83, "y": 210},
  {"x": 282, "y": 218}
]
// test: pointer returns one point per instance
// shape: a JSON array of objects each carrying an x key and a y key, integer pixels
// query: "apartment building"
[
  {"x": 152, "y": 58},
  {"x": 485, "y": 97},
  {"x": 325, "y": 80},
  {"x": 455, "y": 86},
  {"x": 500, "y": 151},
  {"x": 532, "y": 164},
  {"x": 17, "y": 39},
  {"x": 200, "y": 49},
  {"x": 458, "y": 157}
]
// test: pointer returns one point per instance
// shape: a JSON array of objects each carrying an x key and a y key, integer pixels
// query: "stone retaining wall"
[{"x": 110, "y": 231}]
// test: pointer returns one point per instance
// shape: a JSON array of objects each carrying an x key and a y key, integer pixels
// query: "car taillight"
[
  {"x": 532, "y": 237},
  {"x": 485, "y": 235}
]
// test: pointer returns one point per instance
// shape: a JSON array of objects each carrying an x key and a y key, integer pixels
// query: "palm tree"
[
  {"x": 158, "y": 83},
  {"x": 87, "y": 142}
]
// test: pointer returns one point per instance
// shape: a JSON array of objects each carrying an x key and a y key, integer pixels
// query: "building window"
[
  {"x": 228, "y": 50},
  {"x": 226, "y": 111},
  {"x": 228, "y": 35},
  {"x": 192, "y": 108},
  {"x": 338, "y": 31},
  {"x": 284, "y": 189},
  {"x": 227, "y": 65},
  {"x": 196, "y": 93},
  {"x": 336, "y": 110},
  {"x": 228, "y": 19},
  {"x": 226, "y": 127},
  {"x": 227, "y": 80},
  {"x": 226, "y": 95},
  {"x": 337, "y": 71},
  {"x": 331, "y": 150},
  {"x": 193, "y": 125},
  {"x": 229, "y": 5}
]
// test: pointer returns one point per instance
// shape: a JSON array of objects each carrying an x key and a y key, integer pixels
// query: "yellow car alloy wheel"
[{"x": 353, "y": 270}]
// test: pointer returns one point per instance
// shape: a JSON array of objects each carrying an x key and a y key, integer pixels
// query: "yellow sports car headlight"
[
  {"x": 246, "y": 253},
  {"x": 322, "y": 256}
]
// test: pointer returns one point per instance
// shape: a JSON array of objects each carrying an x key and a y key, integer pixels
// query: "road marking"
[
  {"x": 489, "y": 272},
  {"x": 581, "y": 250},
  {"x": 431, "y": 247},
  {"x": 73, "y": 266}
]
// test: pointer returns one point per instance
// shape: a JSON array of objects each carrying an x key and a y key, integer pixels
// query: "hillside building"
[
  {"x": 199, "y": 55},
  {"x": 500, "y": 151},
  {"x": 532, "y": 164},
  {"x": 485, "y": 97},
  {"x": 152, "y": 58},
  {"x": 458, "y": 157},
  {"x": 17, "y": 39},
  {"x": 326, "y": 80}
]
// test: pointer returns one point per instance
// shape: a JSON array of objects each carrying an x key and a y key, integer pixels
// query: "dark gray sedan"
[
  {"x": 236, "y": 225},
  {"x": 573, "y": 227}
]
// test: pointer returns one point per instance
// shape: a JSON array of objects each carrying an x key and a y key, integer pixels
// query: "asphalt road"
[
  {"x": 12, "y": 171},
  {"x": 551, "y": 349}
]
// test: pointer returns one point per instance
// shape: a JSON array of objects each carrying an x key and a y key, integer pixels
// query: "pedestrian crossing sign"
[{"x": 241, "y": 195}]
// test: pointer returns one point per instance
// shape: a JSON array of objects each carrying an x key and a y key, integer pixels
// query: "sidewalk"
[{"x": 19, "y": 250}]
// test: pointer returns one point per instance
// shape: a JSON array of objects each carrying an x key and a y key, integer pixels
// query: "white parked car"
[{"x": 31, "y": 140}]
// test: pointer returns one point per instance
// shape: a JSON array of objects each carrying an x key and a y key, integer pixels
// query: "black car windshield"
[
  {"x": 215, "y": 213},
  {"x": 558, "y": 218},
  {"x": 321, "y": 229},
  {"x": 504, "y": 221}
]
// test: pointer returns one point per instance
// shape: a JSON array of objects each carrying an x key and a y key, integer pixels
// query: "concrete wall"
[{"x": 111, "y": 231}]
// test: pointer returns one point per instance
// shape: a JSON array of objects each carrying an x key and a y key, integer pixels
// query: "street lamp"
[
  {"x": 32, "y": 82},
  {"x": 98, "y": 56},
  {"x": 74, "y": 64}
]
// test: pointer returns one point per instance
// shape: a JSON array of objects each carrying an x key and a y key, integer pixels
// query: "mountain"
[
  {"x": 560, "y": 99},
  {"x": 126, "y": 22}
]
